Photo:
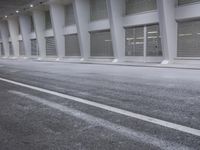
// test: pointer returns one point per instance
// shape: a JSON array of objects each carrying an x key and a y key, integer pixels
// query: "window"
[
  {"x": 184, "y": 2},
  {"x": 135, "y": 41},
  {"x": 98, "y": 10},
  {"x": 69, "y": 15},
  {"x": 101, "y": 43},
  {"x": 72, "y": 45},
  {"x": 153, "y": 46},
  {"x": 32, "y": 24},
  {"x": 189, "y": 39},
  {"x": 137, "y": 6},
  {"x": 51, "y": 46},
  {"x": 19, "y": 29},
  {"x": 139, "y": 43},
  {"x": 48, "y": 23}
]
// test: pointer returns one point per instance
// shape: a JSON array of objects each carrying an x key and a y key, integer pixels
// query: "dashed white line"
[{"x": 156, "y": 121}]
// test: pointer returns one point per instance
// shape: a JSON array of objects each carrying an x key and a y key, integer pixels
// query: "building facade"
[{"x": 162, "y": 31}]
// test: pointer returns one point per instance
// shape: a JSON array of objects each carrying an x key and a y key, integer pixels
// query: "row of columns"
[{"x": 166, "y": 11}]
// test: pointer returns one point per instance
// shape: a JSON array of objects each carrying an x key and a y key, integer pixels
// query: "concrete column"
[
  {"x": 168, "y": 29},
  {"x": 5, "y": 36},
  {"x": 13, "y": 25},
  {"x": 57, "y": 12},
  {"x": 82, "y": 16},
  {"x": 39, "y": 23},
  {"x": 115, "y": 12},
  {"x": 25, "y": 25}
]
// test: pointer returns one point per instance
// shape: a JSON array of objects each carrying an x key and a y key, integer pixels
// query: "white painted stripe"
[
  {"x": 95, "y": 121},
  {"x": 111, "y": 109}
]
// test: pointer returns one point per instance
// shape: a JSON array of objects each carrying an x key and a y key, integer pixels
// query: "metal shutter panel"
[
  {"x": 48, "y": 23},
  {"x": 183, "y": 2},
  {"x": 21, "y": 48},
  {"x": 11, "y": 49},
  {"x": 98, "y": 10},
  {"x": 101, "y": 43},
  {"x": 137, "y": 6},
  {"x": 34, "y": 48},
  {"x": 188, "y": 39},
  {"x": 51, "y": 46},
  {"x": 69, "y": 15},
  {"x": 153, "y": 46},
  {"x": 72, "y": 45},
  {"x": 2, "y": 49},
  {"x": 134, "y": 41}
]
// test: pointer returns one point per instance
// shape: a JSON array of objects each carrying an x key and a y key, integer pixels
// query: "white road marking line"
[
  {"x": 163, "y": 123},
  {"x": 95, "y": 121}
]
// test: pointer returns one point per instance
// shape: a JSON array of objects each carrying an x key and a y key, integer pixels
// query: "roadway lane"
[
  {"x": 37, "y": 121},
  {"x": 168, "y": 94}
]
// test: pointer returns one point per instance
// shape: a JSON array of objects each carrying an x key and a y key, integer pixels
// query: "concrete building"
[{"x": 162, "y": 31}]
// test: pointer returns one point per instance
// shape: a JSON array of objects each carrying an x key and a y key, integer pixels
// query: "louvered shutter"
[
  {"x": 34, "y": 48},
  {"x": 51, "y": 46},
  {"x": 101, "y": 43},
  {"x": 72, "y": 47},
  {"x": 21, "y": 48}
]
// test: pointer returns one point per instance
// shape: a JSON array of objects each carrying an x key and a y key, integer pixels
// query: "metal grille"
[
  {"x": 69, "y": 15},
  {"x": 21, "y": 48},
  {"x": 183, "y": 2},
  {"x": 137, "y": 6},
  {"x": 189, "y": 39},
  {"x": 48, "y": 23},
  {"x": 11, "y": 51},
  {"x": 134, "y": 41},
  {"x": 98, "y": 10},
  {"x": 101, "y": 43},
  {"x": 2, "y": 49},
  {"x": 153, "y": 41},
  {"x": 34, "y": 48},
  {"x": 72, "y": 45},
  {"x": 51, "y": 46}
]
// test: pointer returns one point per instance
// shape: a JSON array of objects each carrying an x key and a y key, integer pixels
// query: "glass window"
[
  {"x": 153, "y": 46},
  {"x": 137, "y": 6},
  {"x": 189, "y": 39},
  {"x": 32, "y": 24},
  {"x": 72, "y": 45},
  {"x": 69, "y": 15},
  {"x": 48, "y": 23},
  {"x": 184, "y": 2},
  {"x": 98, "y": 10},
  {"x": 134, "y": 41},
  {"x": 101, "y": 43}
]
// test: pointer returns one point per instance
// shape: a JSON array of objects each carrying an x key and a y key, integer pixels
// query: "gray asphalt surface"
[{"x": 168, "y": 94}]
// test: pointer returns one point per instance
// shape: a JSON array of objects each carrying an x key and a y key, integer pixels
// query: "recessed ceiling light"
[
  {"x": 31, "y": 5},
  {"x": 17, "y": 11},
  {"x": 6, "y": 16}
]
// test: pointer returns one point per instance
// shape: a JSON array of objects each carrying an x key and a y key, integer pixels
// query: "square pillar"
[
  {"x": 168, "y": 29},
  {"x": 13, "y": 25},
  {"x": 5, "y": 36},
  {"x": 57, "y": 12},
  {"x": 25, "y": 25}
]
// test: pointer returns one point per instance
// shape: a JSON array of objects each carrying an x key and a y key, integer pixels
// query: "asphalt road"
[{"x": 34, "y": 120}]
